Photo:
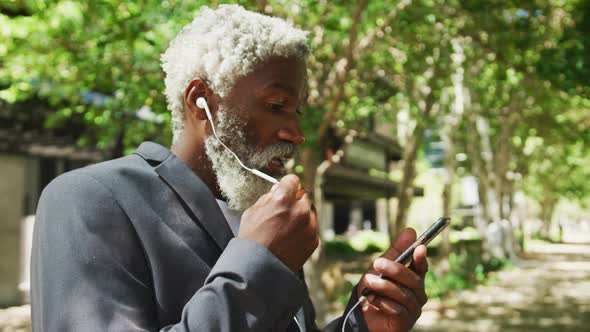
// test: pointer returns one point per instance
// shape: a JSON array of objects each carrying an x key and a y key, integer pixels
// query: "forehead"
[{"x": 277, "y": 74}]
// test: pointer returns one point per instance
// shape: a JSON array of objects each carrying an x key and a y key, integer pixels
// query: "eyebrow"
[
  {"x": 289, "y": 90},
  {"x": 280, "y": 86}
]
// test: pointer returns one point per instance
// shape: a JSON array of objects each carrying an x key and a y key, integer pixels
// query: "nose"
[{"x": 291, "y": 133}]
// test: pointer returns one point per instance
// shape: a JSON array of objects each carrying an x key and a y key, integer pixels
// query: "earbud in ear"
[{"x": 201, "y": 102}]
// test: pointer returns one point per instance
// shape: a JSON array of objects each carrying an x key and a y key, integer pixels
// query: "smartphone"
[
  {"x": 432, "y": 231},
  {"x": 406, "y": 257}
]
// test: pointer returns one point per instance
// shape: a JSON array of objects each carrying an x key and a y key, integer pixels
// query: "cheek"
[{"x": 261, "y": 132}]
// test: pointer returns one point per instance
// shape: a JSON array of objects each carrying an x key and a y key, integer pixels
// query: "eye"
[{"x": 275, "y": 107}]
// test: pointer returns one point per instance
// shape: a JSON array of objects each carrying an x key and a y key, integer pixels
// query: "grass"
[
  {"x": 362, "y": 243},
  {"x": 466, "y": 268},
  {"x": 465, "y": 271}
]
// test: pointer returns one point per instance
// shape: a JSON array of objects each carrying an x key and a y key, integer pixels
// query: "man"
[{"x": 187, "y": 239}]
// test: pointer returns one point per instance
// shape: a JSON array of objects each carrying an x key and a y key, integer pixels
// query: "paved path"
[
  {"x": 15, "y": 319},
  {"x": 550, "y": 291}
]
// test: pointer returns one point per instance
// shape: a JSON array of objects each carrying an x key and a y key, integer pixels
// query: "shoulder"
[
  {"x": 88, "y": 200},
  {"x": 74, "y": 184},
  {"x": 99, "y": 179},
  {"x": 92, "y": 189},
  {"x": 80, "y": 223}
]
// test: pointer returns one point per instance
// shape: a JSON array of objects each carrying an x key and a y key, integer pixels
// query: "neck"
[{"x": 192, "y": 153}]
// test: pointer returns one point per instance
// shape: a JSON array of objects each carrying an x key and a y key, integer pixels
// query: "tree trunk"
[
  {"x": 447, "y": 194},
  {"x": 448, "y": 179},
  {"x": 406, "y": 190},
  {"x": 502, "y": 159},
  {"x": 261, "y": 5},
  {"x": 450, "y": 126},
  {"x": 409, "y": 157},
  {"x": 445, "y": 247},
  {"x": 309, "y": 161},
  {"x": 314, "y": 267},
  {"x": 547, "y": 208},
  {"x": 480, "y": 171}
]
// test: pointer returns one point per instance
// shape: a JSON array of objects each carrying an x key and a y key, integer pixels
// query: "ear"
[{"x": 195, "y": 89}]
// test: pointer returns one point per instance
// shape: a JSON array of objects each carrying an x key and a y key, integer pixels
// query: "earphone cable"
[
  {"x": 360, "y": 300},
  {"x": 203, "y": 104}
]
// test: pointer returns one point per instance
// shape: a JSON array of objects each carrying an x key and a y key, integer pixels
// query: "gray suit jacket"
[{"x": 140, "y": 244}]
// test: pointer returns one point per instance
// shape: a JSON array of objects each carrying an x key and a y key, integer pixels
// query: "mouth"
[{"x": 277, "y": 166}]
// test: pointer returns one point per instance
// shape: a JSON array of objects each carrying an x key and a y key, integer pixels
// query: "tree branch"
[
  {"x": 338, "y": 75},
  {"x": 342, "y": 69}
]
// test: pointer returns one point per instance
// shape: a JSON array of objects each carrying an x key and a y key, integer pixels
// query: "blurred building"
[{"x": 356, "y": 186}]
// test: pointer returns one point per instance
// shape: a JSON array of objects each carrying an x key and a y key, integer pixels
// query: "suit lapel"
[
  {"x": 198, "y": 199},
  {"x": 193, "y": 193}
]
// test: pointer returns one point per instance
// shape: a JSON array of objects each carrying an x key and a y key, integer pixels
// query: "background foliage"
[{"x": 506, "y": 83}]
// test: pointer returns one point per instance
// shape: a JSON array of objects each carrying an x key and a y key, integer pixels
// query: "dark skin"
[{"x": 268, "y": 100}]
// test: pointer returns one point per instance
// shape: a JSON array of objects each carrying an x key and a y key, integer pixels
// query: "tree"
[{"x": 93, "y": 61}]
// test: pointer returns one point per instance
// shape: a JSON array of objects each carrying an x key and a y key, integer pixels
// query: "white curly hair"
[{"x": 221, "y": 45}]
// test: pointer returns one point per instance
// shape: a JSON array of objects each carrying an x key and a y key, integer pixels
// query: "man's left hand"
[{"x": 397, "y": 298}]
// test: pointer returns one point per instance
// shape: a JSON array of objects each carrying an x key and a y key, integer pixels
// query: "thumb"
[
  {"x": 285, "y": 191},
  {"x": 403, "y": 241}
]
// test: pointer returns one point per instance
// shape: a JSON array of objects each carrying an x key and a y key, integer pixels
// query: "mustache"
[
  {"x": 231, "y": 129},
  {"x": 283, "y": 150}
]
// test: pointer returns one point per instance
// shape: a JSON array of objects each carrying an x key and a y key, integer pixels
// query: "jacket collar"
[
  {"x": 153, "y": 152},
  {"x": 191, "y": 190}
]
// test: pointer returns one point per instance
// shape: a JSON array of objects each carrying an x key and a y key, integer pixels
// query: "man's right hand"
[{"x": 284, "y": 222}]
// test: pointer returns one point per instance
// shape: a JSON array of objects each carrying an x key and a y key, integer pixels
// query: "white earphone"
[{"x": 202, "y": 103}]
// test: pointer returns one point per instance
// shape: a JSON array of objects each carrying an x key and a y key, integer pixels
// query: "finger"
[
  {"x": 299, "y": 193},
  {"x": 390, "y": 307},
  {"x": 394, "y": 292},
  {"x": 302, "y": 207},
  {"x": 419, "y": 263},
  {"x": 313, "y": 219},
  {"x": 421, "y": 296},
  {"x": 398, "y": 273},
  {"x": 403, "y": 241},
  {"x": 264, "y": 199},
  {"x": 303, "y": 201},
  {"x": 304, "y": 213},
  {"x": 367, "y": 305},
  {"x": 286, "y": 189}
]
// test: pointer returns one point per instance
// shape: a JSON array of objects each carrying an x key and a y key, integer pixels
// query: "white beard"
[{"x": 240, "y": 187}]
